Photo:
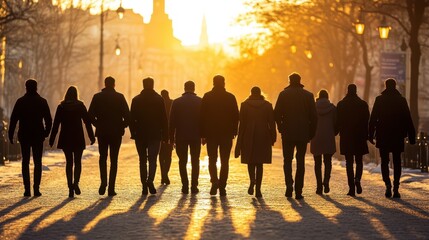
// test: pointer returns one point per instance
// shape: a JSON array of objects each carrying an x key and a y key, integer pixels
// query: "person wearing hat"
[
  {"x": 352, "y": 121},
  {"x": 35, "y": 123},
  {"x": 219, "y": 124},
  {"x": 296, "y": 118},
  {"x": 390, "y": 123}
]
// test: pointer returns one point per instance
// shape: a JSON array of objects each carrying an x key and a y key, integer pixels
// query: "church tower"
[
  {"x": 204, "y": 37},
  {"x": 159, "y": 31}
]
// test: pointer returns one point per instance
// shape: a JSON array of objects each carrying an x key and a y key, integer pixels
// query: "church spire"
[
  {"x": 158, "y": 6},
  {"x": 204, "y": 38}
]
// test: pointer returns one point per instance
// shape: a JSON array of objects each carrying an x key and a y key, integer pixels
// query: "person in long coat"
[
  {"x": 35, "y": 122},
  {"x": 149, "y": 126},
  {"x": 353, "y": 117},
  {"x": 296, "y": 118},
  {"x": 166, "y": 147},
  {"x": 391, "y": 122},
  {"x": 110, "y": 115},
  {"x": 219, "y": 126},
  {"x": 256, "y": 136},
  {"x": 69, "y": 114},
  {"x": 323, "y": 143}
]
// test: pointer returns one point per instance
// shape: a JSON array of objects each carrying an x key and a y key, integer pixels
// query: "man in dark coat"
[
  {"x": 185, "y": 125},
  {"x": 391, "y": 122},
  {"x": 296, "y": 118},
  {"x": 219, "y": 114},
  {"x": 166, "y": 148},
  {"x": 148, "y": 127},
  {"x": 109, "y": 114},
  {"x": 35, "y": 122},
  {"x": 352, "y": 119}
]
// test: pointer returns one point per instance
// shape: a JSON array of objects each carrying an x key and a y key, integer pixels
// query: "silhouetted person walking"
[
  {"x": 219, "y": 112},
  {"x": 353, "y": 117},
  {"x": 70, "y": 114},
  {"x": 35, "y": 122},
  {"x": 256, "y": 136},
  {"x": 323, "y": 142},
  {"x": 296, "y": 118},
  {"x": 109, "y": 114},
  {"x": 391, "y": 122},
  {"x": 185, "y": 126},
  {"x": 166, "y": 147},
  {"x": 148, "y": 127}
]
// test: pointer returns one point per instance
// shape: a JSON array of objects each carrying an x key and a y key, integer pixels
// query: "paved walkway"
[{"x": 171, "y": 215}]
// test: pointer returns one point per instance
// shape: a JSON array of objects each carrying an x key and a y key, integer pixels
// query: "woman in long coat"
[
  {"x": 323, "y": 143},
  {"x": 256, "y": 136},
  {"x": 70, "y": 114}
]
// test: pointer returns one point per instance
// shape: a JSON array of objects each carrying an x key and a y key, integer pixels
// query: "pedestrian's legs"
[
  {"x": 182, "y": 154},
  {"x": 102, "y": 149},
  {"x": 165, "y": 162},
  {"x": 212, "y": 148},
  {"x": 350, "y": 174},
  {"x": 318, "y": 172},
  {"x": 397, "y": 169},
  {"x": 225, "y": 151},
  {"x": 195, "y": 150},
  {"x": 77, "y": 166},
  {"x": 252, "y": 177},
  {"x": 115, "y": 145},
  {"x": 327, "y": 161},
  {"x": 25, "y": 167},
  {"x": 384, "y": 155},
  {"x": 37, "y": 158},
  {"x": 259, "y": 174},
  {"x": 69, "y": 168},
  {"x": 301, "y": 148},
  {"x": 152, "y": 150},
  {"x": 288, "y": 149},
  {"x": 358, "y": 176},
  {"x": 141, "y": 147}
]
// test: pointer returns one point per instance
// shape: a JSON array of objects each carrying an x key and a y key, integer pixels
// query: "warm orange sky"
[{"x": 187, "y": 17}]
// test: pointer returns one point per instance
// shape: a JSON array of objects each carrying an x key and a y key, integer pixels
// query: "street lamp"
[
  {"x": 293, "y": 48},
  {"x": 360, "y": 23},
  {"x": 308, "y": 53},
  {"x": 384, "y": 29},
  {"x": 120, "y": 11}
]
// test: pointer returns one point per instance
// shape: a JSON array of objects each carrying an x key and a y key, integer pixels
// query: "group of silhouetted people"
[{"x": 159, "y": 124}]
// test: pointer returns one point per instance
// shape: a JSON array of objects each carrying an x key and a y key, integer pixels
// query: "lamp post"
[
  {"x": 130, "y": 58},
  {"x": 120, "y": 11}
]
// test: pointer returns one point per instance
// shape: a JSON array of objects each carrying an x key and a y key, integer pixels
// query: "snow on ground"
[{"x": 11, "y": 172}]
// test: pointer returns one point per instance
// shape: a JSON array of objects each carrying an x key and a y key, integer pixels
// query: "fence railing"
[{"x": 416, "y": 156}]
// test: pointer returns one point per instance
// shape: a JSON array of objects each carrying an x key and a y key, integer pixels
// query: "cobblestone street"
[{"x": 172, "y": 215}]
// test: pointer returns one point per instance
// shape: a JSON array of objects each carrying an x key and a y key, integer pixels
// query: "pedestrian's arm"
[
  {"x": 164, "y": 122},
  {"x": 92, "y": 111},
  {"x": 14, "y": 120},
  {"x": 278, "y": 113},
  {"x": 87, "y": 121},
  {"x": 235, "y": 116},
  {"x": 313, "y": 117},
  {"x": 47, "y": 118},
  {"x": 272, "y": 125},
  {"x": 125, "y": 113},
  {"x": 55, "y": 127},
  {"x": 172, "y": 122},
  {"x": 372, "y": 126}
]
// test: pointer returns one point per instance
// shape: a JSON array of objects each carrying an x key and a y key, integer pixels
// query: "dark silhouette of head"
[
  {"x": 109, "y": 82},
  {"x": 255, "y": 91},
  {"x": 71, "y": 94},
  {"x": 189, "y": 86},
  {"x": 294, "y": 79},
  {"x": 323, "y": 94},
  {"x": 164, "y": 94},
  {"x": 218, "y": 81},
  {"x": 148, "y": 83},
  {"x": 390, "y": 83},
  {"x": 351, "y": 89},
  {"x": 31, "y": 85}
]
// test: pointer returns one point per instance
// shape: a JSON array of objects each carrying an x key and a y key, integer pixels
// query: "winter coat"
[
  {"x": 35, "y": 121},
  {"x": 257, "y": 131},
  {"x": 295, "y": 114},
  {"x": 391, "y": 121},
  {"x": 70, "y": 116},
  {"x": 109, "y": 113},
  {"x": 219, "y": 114},
  {"x": 324, "y": 140},
  {"x": 148, "y": 117},
  {"x": 352, "y": 120},
  {"x": 185, "y": 118}
]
